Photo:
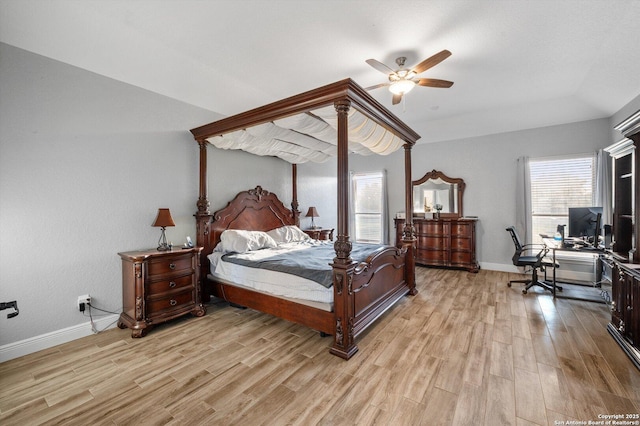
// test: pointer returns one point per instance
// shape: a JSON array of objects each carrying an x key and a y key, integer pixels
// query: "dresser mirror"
[{"x": 437, "y": 190}]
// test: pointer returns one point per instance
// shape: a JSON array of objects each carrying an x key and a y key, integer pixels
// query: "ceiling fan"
[{"x": 402, "y": 80}]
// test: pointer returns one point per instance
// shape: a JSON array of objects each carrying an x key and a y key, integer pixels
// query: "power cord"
[
  {"x": 94, "y": 329},
  {"x": 102, "y": 310}
]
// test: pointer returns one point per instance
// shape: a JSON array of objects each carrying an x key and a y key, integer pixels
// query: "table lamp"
[
  {"x": 163, "y": 220},
  {"x": 312, "y": 213}
]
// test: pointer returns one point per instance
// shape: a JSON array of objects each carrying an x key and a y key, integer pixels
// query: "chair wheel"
[
  {"x": 524, "y": 291},
  {"x": 508, "y": 284}
]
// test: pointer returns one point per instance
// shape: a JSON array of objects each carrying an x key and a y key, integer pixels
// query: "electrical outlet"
[{"x": 83, "y": 301}]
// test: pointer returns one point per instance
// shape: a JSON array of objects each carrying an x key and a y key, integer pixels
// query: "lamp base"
[{"x": 162, "y": 242}]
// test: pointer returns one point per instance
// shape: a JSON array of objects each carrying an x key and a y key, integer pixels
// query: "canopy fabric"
[{"x": 310, "y": 136}]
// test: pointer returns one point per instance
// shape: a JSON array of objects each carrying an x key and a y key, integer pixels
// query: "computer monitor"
[{"x": 585, "y": 222}]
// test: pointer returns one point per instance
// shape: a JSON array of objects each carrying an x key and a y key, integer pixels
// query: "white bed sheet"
[{"x": 271, "y": 282}]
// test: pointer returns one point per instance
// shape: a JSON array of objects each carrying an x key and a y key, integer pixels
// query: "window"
[
  {"x": 368, "y": 200},
  {"x": 558, "y": 183}
]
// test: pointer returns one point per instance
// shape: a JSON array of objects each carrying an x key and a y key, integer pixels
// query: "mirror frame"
[{"x": 435, "y": 174}]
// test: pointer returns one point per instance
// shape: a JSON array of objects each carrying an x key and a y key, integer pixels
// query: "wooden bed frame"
[{"x": 362, "y": 292}]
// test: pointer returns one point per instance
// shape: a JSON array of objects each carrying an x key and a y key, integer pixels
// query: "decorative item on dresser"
[
  {"x": 163, "y": 220},
  {"x": 444, "y": 238},
  {"x": 158, "y": 286},
  {"x": 335, "y": 120},
  {"x": 624, "y": 256}
]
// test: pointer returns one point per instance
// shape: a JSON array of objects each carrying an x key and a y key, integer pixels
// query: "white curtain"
[
  {"x": 602, "y": 193},
  {"x": 523, "y": 200}
]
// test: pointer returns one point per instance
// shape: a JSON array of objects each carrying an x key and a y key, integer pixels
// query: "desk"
[{"x": 556, "y": 246}]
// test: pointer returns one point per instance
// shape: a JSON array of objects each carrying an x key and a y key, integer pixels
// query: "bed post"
[
  {"x": 294, "y": 200},
  {"x": 203, "y": 219},
  {"x": 408, "y": 232},
  {"x": 343, "y": 266}
]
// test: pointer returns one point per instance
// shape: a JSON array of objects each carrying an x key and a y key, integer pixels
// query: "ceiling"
[{"x": 516, "y": 64}]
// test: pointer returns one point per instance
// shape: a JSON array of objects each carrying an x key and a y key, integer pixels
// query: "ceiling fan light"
[{"x": 401, "y": 87}]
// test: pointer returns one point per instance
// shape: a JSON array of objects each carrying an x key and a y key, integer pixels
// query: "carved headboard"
[{"x": 254, "y": 210}]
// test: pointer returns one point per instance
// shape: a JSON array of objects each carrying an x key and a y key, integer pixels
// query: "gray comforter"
[{"x": 311, "y": 263}]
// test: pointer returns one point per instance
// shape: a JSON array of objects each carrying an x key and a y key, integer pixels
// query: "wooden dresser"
[
  {"x": 158, "y": 286},
  {"x": 448, "y": 242}
]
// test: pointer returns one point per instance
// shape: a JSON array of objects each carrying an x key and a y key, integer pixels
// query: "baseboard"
[
  {"x": 500, "y": 267},
  {"x": 54, "y": 338}
]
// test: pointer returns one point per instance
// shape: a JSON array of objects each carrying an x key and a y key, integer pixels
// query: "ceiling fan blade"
[
  {"x": 434, "y": 82},
  {"x": 377, "y": 86},
  {"x": 380, "y": 66},
  {"x": 431, "y": 61},
  {"x": 396, "y": 99}
]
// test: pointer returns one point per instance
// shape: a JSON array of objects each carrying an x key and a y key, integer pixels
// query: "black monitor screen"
[{"x": 584, "y": 221}]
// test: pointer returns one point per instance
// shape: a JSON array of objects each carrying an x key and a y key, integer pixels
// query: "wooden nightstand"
[
  {"x": 158, "y": 286},
  {"x": 320, "y": 234}
]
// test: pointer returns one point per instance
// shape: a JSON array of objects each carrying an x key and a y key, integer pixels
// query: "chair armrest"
[
  {"x": 535, "y": 245},
  {"x": 540, "y": 248}
]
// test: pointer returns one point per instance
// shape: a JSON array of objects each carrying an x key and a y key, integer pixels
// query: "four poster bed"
[{"x": 330, "y": 121}]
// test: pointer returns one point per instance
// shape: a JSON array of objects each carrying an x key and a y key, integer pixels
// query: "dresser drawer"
[
  {"x": 170, "y": 302},
  {"x": 460, "y": 229},
  {"x": 435, "y": 256},
  {"x": 431, "y": 228},
  {"x": 459, "y": 257},
  {"x": 166, "y": 265},
  {"x": 163, "y": 286},
  {"x": 460, "y": 244},
  {"x": 432, "y": 242}
]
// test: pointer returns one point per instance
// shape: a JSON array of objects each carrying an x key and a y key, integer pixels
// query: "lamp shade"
[
  {"x": 312, "y": 212},
  {"x": 164, "y": 218}
]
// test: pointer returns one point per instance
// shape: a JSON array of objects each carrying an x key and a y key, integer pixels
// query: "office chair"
[{"x": 536, "y": 262}]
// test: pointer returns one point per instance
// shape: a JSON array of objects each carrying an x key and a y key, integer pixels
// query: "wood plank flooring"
[{"x": 467, "y": 350}]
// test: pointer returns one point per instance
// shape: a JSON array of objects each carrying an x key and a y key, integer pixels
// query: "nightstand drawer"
[
  {"x": 165, "y": 266},
  {"x": 169, "y": 302},
  {"x": 164, "y": 286}
]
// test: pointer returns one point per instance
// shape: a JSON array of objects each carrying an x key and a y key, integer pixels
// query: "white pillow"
[
  {"x": 288, "y": 234},
  {"x": 240, "y": 241}
]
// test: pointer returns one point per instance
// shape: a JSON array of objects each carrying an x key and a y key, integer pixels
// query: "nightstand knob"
[
  {"x": 173, "y": 302},
  {"x": 172, "y": 284},
  {"x": 172, "y": 266}
]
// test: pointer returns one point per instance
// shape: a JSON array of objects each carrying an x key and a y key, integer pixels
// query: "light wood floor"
[{"x": 467, "y": 350}]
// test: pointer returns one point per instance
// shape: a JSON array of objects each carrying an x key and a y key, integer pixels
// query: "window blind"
[
  {"x": 368, "y": 206},
  {"x": 556, "y": 184}
]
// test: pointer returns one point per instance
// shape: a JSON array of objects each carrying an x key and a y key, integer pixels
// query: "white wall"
[
  {"x": 317, "y": 186},
  {"x": 488, "y": 166},
  {"x": 85, "y": 162}
]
